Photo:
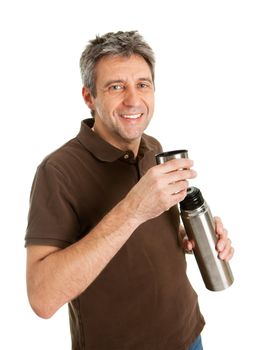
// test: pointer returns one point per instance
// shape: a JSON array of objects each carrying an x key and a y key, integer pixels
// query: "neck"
[{"x": 121, "y": 144}]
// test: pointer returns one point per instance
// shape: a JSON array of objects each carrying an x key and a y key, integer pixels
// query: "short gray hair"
[{"x": 113, "y": 44}]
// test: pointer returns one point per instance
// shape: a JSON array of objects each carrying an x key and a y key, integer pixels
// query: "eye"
[
  {"x": 116, "y": 87},
  {"x": 144, "y": 85}
]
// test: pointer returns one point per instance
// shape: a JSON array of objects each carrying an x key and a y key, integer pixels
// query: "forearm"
[{"x": 64, "y": 274}]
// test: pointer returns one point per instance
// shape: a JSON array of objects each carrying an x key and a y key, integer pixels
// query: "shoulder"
[
  {"x": 63, "y": 161},
  {"x": 65, "y": 154}
]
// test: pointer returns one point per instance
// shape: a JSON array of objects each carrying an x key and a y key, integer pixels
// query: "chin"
[{"x": 132, "y": 136}]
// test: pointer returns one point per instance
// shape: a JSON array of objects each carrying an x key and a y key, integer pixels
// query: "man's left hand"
[{"x": 223, "y": 246}]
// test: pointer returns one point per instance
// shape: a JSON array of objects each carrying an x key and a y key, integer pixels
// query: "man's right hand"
[{"x": 163, "y": 186}]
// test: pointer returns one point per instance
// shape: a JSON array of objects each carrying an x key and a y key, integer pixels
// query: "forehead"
[{"x": 122, "y": 67}]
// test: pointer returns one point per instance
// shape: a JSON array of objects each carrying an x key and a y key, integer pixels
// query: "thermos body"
[{"x": 199, "y": 226}]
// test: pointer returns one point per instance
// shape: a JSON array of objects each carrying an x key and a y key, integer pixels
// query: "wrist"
[{"x": 130, "y": 210}]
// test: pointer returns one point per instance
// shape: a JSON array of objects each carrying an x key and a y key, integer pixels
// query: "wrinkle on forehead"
[{"x": 122, "y": 68}]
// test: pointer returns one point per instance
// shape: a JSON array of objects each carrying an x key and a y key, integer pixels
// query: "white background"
[{"x": 210, "y": 85}]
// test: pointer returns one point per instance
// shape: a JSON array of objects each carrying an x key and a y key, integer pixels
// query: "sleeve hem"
[{"x": 47, "y": 241}]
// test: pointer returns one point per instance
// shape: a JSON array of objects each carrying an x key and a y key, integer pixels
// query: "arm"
[{"x": 56, "y": 276}]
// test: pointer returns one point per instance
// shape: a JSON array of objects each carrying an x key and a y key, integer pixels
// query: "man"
[{"x": 103, "y": 226}]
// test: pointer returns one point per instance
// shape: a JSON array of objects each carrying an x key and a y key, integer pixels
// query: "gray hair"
[{"x": 112, "y": 44}]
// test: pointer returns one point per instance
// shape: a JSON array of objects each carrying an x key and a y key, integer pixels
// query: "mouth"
[{"x": 131, "y": 116}]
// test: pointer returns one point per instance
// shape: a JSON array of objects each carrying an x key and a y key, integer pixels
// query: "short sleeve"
[{"x": 52, "y": 218}]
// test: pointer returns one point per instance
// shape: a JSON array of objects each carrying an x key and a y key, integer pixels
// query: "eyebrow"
[
  {"x": 146, "y": 79},
  {"x": 117, "y": 81}
]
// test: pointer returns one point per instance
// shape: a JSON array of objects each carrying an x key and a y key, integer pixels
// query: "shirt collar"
[{"x": 101, "y": 149}]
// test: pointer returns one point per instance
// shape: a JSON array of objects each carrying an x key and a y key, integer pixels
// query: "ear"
[{"x": 88, "y": 98}]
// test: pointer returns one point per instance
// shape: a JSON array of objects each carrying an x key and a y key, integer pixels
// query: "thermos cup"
[
  {"x": 200, "y": 229},
  {"x": 166, "y": 156}
]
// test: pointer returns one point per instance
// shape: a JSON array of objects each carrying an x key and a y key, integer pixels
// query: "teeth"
[{"x": 132, "y": 116}]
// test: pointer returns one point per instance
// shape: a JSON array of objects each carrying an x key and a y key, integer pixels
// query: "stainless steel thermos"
[
  {"x": 199, "y": 226},
  {"x": 200, "y": 229}
]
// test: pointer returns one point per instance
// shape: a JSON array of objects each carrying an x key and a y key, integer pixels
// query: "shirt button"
[{"x": 126, "y": 156}]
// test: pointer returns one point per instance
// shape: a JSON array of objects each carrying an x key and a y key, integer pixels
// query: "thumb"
[{"x": 187, "y": 245}]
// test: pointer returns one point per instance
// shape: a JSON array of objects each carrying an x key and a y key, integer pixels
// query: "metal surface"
[
  {"x": 199, "y": 226},
  {"x": 166, "y": 156}
]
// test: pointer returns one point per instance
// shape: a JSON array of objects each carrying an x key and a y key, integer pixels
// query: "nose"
[{"x": 131, "y": 97}]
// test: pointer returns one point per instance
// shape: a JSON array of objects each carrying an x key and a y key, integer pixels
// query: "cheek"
[
  {"x": 109, "y": 105},
  {"x": 151, "y": 105},
  {"x": 101, "y": 108}
]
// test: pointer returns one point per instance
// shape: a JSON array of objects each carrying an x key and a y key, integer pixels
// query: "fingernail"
[
  {"x": 220, "y": 246},
  {"x": 221, "y": 256}
]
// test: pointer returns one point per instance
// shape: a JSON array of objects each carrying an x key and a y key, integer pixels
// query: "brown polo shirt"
[{"x": 142, "y": 300}]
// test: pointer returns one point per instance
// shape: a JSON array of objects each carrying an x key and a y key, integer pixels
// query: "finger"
[
  {"x": 221, "y": 243},
  {"x": 220, "y": 231},
  {"x": 175, "y": 193},
  {"x": 177, "y": 187},
  {"x": 182, "y": 232},
  {"x": 218, "y": 224},
  {"x": 177, "y": 197},
  {"x": 226, "y": 251},
  {"x": 179, "y": 175},
  {"x": 187, "y": 246},
  {"x": 230, "y": 255},
  {"x": 227, "y": 256}
]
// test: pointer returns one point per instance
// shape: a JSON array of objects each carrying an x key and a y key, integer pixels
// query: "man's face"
[{"x": 124, "y": 103}]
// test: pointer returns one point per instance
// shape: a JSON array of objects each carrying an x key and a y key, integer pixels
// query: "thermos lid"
[{"x": 193, "y": 199}]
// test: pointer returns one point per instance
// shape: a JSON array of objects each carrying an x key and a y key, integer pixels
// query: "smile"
[{"x": 131, "y": 116}]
